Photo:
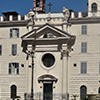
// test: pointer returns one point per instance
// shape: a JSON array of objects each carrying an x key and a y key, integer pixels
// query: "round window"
[{"x": 48, "y": 60}]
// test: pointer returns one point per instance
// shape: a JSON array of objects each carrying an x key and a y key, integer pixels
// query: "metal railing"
[{"x": 41, "y": 96}]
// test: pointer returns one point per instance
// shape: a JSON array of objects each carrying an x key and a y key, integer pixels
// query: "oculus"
[{"x": 48, "y": 60}]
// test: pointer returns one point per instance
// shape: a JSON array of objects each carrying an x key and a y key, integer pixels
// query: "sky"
[{"x": 23, "y": 6}]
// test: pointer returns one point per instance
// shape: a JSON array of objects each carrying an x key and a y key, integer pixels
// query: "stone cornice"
[
  {"x": 87, "y": 20},
  {"x": 13, "y": 23}
]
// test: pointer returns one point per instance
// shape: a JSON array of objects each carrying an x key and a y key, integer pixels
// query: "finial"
[{"x": 49, "y": 5}]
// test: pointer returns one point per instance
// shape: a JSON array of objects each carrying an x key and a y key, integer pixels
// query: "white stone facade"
[{"x": 66, "y": 73}]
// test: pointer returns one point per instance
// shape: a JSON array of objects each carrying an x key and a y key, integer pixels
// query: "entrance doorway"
[
  {"x": 47, "y": 91},
  {"x": 47, "y": 81}
]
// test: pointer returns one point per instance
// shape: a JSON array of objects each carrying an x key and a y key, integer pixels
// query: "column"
[
  {"x": 29, "y": 49},
  {"x": 65, "y": 75},
  {"x": 29, "y": 74}
]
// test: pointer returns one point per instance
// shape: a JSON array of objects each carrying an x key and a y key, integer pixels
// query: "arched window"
[
  {"x": 83, "y": 92},
  {"x": 13, "y": 91},
  {"x": 99, "y": 90},
  {"x": 94, "y": 7}
]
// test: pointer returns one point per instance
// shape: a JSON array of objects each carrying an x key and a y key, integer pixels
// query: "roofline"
[
  {"x": 13, "y": 23},
  {"x": 85, "y": 20}
]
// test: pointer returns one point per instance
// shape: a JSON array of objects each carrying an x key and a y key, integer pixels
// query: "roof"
[{"x": 10, "y": 13}]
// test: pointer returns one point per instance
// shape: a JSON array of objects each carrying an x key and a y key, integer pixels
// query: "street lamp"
[
  {"x": 30, "y": 15},
  {"x": 31, "y": 54},
  {"x": 32, "y": 94}
]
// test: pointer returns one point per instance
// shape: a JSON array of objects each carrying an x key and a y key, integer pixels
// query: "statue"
[
  {"x": 30, "y": 15},
  {"x": 66, "y": 14}
]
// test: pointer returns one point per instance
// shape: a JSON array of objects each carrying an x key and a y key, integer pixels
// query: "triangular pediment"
[
  {"x": 46, "y": 31},
  {"x": 47, "y": 35}
]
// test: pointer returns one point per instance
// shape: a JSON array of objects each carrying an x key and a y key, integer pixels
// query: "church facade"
[{"x": 50, "y": 56}]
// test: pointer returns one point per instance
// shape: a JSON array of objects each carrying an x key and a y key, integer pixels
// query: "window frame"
[
  {"x": 84, "y": 29},
  {"x": 14, "y": 49},
  {"x": 83, "y": 47},
  {"x": 14, "y": 33},
  {"x": 94, "y": 7},
  {"x": 83, "y": 67},
  {"x": 14, "y": 68}
]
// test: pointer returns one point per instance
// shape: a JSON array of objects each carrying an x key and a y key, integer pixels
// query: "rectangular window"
[
  {"x": 84, "y": 47},
  {"x": 84, "y": 29},
  {"x": 14, "y": 49},
  {"x": 0, "y": 49},
  {"x": 83, "y": 67},
  {"x": 14, "y": 33},
  {"x": 14, "y": 68}
]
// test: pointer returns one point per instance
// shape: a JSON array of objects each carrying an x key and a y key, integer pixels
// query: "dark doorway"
[
  {"x": 47, "y": 91},
  {"x": 13, "y": 91},
  {"x": 83, "y": 92}
]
